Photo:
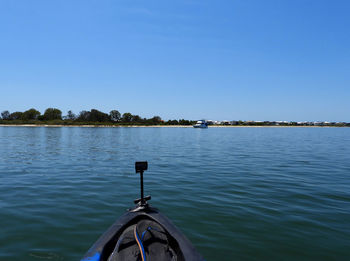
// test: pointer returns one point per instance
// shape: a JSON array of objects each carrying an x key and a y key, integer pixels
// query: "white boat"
[{"x": 201, "y": 124}]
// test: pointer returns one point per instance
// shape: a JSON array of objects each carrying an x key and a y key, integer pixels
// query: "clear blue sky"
[{"x": 220, "y": 60}]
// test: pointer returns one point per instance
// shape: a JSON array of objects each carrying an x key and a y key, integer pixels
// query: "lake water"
[{"x": 236, "y": 193}]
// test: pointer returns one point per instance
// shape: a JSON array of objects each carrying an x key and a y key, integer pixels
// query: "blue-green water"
[{"x": 237, "y": 193}]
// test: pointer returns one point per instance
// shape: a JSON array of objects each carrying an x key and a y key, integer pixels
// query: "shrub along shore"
[{"x": 53, "y": 116}]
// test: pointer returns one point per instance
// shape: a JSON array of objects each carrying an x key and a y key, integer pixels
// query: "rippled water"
[{"x": 237, "y": 193}]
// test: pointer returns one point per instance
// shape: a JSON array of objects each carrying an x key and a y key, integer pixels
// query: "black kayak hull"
[{"x": 104, "y": 246}]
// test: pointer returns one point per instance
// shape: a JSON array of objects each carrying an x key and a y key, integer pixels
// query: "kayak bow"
[{"x": 160, "y": 239}]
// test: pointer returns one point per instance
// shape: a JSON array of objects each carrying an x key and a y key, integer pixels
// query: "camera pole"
[
  {"x": 140, "y": 167},
  {"x": 141, "y": 182}
]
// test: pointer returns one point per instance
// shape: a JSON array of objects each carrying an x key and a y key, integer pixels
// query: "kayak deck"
[{"x": 142, "y": 235}]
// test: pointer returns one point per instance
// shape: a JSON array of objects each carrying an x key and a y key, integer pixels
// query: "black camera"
[{"x": 141, "y": 166}]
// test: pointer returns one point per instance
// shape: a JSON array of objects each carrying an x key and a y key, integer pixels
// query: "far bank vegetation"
[{"x": 54, "y": 116}]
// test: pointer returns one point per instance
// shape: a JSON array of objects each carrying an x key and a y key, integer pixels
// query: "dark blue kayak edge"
[{"x": 104, "y": 245}]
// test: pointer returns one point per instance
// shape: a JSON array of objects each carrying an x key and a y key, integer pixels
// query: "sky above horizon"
[{"x": 192, "y": 59}]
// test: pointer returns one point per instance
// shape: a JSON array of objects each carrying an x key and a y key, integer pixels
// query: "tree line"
[{"x": 54, "y": 115}]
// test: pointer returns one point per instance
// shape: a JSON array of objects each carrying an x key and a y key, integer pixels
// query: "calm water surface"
[{"x": 237, "y": 193}]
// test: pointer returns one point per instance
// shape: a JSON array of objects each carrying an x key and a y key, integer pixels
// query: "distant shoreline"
[{"x": 159, "y": 126}]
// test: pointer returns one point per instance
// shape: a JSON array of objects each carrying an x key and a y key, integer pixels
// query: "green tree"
[
  {"x": 5, "y": 115},
  {"x": 127, "y": 117},
  {"x": 31, "y": 114},
  {"x": 16, "y": 115},
  {"x": 136, "y": 118},
  {"x": 172, "y": 122},
  {"x": 184, "y": 122},
  {"x": 84, "y": 116},
  {"x": 93, "y": 115},
  {"x": 156, "y": 120},
  {"x": 96, "y": 115},
  {"x": 52, "y": 114},
  {"x": 71, "y": 115},
  {"x": 114, "y": 115}
]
